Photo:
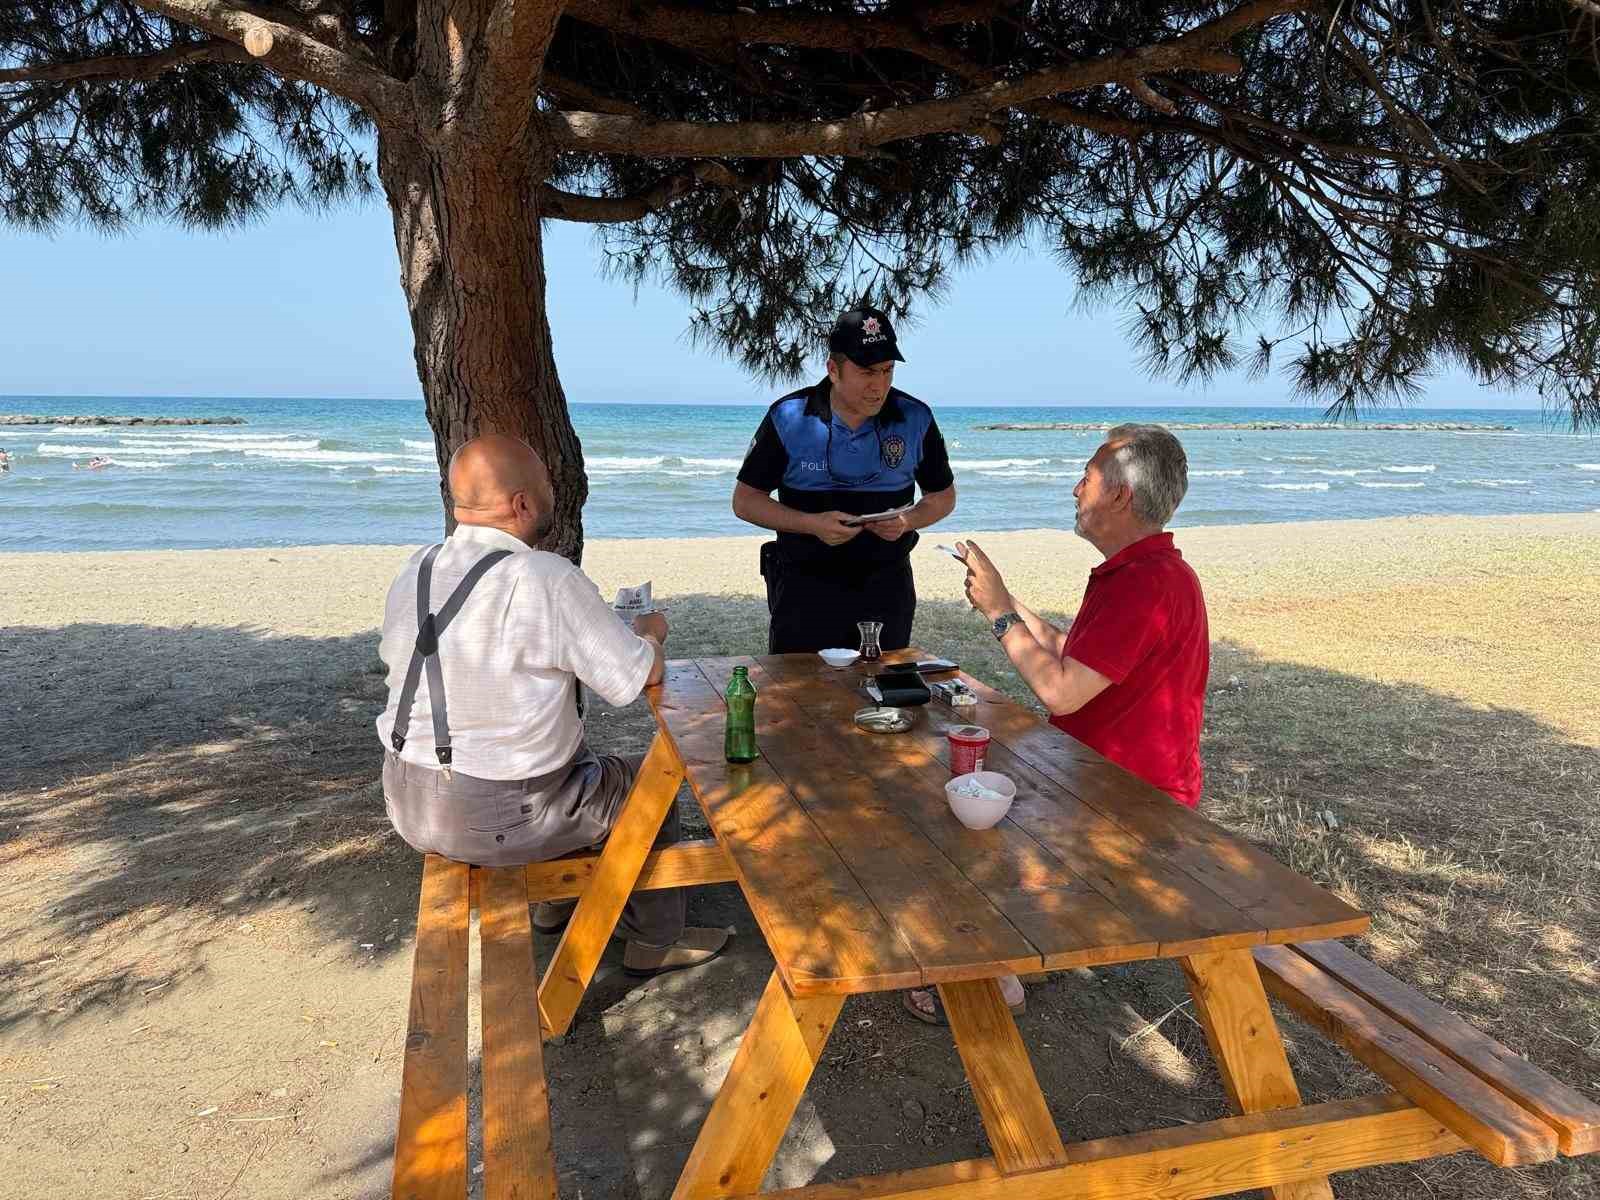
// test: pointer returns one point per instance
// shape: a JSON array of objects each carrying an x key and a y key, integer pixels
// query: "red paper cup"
[{"x": 969, "y": 745}]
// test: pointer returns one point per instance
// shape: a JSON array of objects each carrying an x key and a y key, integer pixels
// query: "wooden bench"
[
  {"x": 430, "y": 1161},
  {"x": 1500, "y": 1104}
]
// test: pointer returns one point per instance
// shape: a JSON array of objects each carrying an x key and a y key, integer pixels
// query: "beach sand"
[{"x": 203, "y": 911}]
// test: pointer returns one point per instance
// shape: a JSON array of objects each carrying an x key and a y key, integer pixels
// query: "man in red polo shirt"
[{"x": 1129, "y": 677}]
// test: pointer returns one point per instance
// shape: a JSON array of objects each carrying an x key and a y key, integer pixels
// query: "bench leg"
[
  {"x": 1021, "y": 1131},
  {"x": 758, "y": 1098},
  {"x": 615, "y": 873},
  {"x": 1239, "y": 1025}
]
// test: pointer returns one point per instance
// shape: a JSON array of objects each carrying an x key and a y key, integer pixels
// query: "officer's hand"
[
  {"x": 893, "y": 529},
  {"x": 831, "y": 529},
  {"x": 986, "y": 590},
  {"x": 651, "y": 625}
]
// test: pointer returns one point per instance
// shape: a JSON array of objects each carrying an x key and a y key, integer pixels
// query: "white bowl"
[
  {"x": 838, "y": 656},
  {"x": 975, "y": 812}
]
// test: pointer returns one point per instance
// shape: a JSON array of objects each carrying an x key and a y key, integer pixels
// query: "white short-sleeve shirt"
[{"x": 531, "y": 629}]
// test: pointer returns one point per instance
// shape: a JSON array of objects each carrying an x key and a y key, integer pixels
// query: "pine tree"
[{"x": 1363, "y": 191}]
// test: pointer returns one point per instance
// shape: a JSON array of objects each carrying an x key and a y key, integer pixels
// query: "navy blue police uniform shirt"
[{"x": 817, "y": 463}]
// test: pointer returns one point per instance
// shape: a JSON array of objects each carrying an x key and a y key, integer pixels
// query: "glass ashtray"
[{"x": 885, "y": 720}]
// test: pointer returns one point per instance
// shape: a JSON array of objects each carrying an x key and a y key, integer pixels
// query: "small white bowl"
[
  {"x": 975, "y": 812},
  {"x": 838, "y": 656}
]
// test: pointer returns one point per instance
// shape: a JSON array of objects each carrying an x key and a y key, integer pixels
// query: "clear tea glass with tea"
[{"x": 870, "y": 650}]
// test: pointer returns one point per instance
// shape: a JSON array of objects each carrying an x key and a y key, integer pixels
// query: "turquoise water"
[{"x": 313, "y": 472}]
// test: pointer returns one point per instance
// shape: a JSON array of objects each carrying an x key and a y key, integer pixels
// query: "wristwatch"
[{"x": 1003, "y": 623}]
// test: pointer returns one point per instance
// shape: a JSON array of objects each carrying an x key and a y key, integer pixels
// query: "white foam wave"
[
  {"x": 1192, "y": 474},
  {"x": 1494, "y": 483},
  {"x": 995, "y": 464},
  {"x": 139, "y": 464},
  {"x": 1425, "y": 469},
  {"x": 603, "y": 463},
  {"x": 321, "y": 456},
  {"x": 1587, "y": 466},
  {"x": 405, "y": 470},
  {"x": 55, "y": 450},
  {"x": 1296, "y": 487},
  {"x": 411, "y": 445},
  {"x": 1019, "y": 474},
  {"x": 1345, "y": 474},
  {"x": 1359, "y": 483},
  {"x": 188, "y": 434},
  {"x": 691, "y": 474},
  {"x": 1300, "y": 458},
  {"x": 722, "y": 464},
  {"x": 210, "y": 446}
]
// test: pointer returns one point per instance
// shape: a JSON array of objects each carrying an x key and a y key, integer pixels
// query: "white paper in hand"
[{"x": 633, "y": 602}]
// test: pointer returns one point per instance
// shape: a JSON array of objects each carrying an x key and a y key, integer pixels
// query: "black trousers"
[{"x": 812, "y": 612}]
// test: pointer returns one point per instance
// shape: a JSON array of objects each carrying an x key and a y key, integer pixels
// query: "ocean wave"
[
  {"x": 1341, "y": 473},
  {"x": 1192, "y": 474},
  {"x": 993, "y": 464},
  {"x": 209, "y": 445},
  {"x": 411, "y": 445},
  {"x": 1301, "y": 457},
  {"x": 1295, "y": 487},
  {"x": 723, "y": 464},
  {"x": 1425, "y": 469},
  {"x": 691, "y": 474},
  {"x": 406, "y": 470},
  {"x": 1587, "y": 466},
  {"x": 1020, "y": 474},
  {"x": 321, "y": 456},
  {"x": 1359, "y": 483},
  {"x": 1496, "y": 482},
  {"x": 603, "y": 463},
  {"x": 168, "y": 434}
]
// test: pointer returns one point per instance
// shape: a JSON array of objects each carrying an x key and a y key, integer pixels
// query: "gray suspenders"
[{"x": 426, "y": 653}]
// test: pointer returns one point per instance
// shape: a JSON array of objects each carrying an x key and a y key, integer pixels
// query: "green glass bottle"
[{"x": 739, "y": 741}]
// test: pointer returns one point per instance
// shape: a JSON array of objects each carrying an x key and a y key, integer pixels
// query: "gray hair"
[{"x": 1151, "y": 462}]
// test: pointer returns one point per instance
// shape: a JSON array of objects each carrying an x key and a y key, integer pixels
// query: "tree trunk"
[{"x": 472, "y": 266}]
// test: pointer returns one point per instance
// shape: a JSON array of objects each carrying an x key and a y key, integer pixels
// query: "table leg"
[
  {"x": 617, "y": 870},
  {"x": 1239, "y": 1025},
  {"x": 758, "y": 1098},
  {"x": 1021, "y": 1131}
]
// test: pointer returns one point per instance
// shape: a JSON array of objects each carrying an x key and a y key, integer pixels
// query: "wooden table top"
[{"x": 862, "y": 879}]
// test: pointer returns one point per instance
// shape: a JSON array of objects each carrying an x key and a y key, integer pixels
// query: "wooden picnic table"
[{"x": 862, "y": 880}]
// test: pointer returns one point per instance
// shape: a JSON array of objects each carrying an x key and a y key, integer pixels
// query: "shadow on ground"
[{"x": 162, "y": 783}]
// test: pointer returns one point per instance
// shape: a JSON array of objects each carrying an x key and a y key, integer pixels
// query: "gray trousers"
[{"x": 508, "y": 823}]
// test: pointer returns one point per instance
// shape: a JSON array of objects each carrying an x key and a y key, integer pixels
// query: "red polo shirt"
[{"x": 1142, "y": 625}]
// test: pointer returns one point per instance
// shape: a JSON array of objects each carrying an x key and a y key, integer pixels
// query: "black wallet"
[{"x": 902, "y": 687}]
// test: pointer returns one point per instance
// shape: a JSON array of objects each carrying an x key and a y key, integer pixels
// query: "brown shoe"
[{"x": 693, "y": 947}]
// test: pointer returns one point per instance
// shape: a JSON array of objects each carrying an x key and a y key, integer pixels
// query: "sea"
[{"x": 317, "y": 472}]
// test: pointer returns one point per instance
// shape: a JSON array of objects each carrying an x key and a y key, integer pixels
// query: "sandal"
[{"x": 937, "y": 1017}]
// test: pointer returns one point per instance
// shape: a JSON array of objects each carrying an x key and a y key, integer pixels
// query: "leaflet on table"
[
  {"x": 869, "y": 518},
  {"x": 633, "y": 602}
]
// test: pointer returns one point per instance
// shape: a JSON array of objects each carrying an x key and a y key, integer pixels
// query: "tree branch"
[
  {"x": 516, "y": 38},
  {"x": 126, "y": 66},
  {"x": 581, "y": 95},
  {"x": 716, "y": 34},
  {"x": 572, "y": 206},
  {"x": 294, "y": 51},
  {"x": 865, "y": 131}
]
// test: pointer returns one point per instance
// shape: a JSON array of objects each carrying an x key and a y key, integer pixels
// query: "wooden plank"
[
  {"x": 1286, "y": 904},
  {"x": 1065, "y": 919},
  {"x": 1493, "y": 1124},
  {"x": 1244, "y": 1041},
  {"x": 951, "y": 927},
  {"x": 430, "y": 1153},
  {"x": 1022, "y": 1133},
  {"x": 764, "y": 1084},
  {"x": 1166, "y": 905},
  {"x": 518, "y": 1163},
  {"x": 1215, "y": 1158},
  {"x": 584, "y": 940},
  {"x": 1575, "y": 1118},
  {"x": 686, "y": 864},
  {"x": 827, "y": 936}
]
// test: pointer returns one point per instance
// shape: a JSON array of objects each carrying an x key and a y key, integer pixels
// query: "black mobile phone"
[{"x": 934, "y": 666}]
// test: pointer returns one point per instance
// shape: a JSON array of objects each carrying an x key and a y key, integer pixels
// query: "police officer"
[{"x": 849, "y": 446}]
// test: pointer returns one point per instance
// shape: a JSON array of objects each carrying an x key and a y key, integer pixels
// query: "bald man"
[{"x": 486, "y": 640}]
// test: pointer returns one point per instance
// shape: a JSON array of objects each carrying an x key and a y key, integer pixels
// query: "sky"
[{"x": 302, "y": 304}]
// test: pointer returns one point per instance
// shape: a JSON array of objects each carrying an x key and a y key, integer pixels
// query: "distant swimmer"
[
  {"x": 94, "y": 464},
  {"x": 5, "y": 459}
]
